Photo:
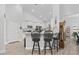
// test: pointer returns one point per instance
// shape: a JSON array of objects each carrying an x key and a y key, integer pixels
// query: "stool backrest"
[
  {"x": 35, "y": 35},
  {"x": 48, "y": 35}
]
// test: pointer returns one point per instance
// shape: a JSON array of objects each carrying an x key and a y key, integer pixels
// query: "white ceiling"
[
  {"x": 42, "y": 11},
  {"x": 45, "y": 11},
  {"x": 69, "y": 9}
]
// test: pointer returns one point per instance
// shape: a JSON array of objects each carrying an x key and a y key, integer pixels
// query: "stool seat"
[{"x": 36, "y": 39}]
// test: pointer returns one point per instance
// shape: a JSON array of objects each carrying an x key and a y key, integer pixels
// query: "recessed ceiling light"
[
  {"x": 40, "y": 15},
  {"x": 32, "y": 10}
]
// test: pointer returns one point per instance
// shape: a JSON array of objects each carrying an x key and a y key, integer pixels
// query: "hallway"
[{"x": 17, "y": 49}]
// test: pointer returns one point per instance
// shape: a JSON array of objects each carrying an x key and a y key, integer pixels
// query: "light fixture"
[
  {"x": 35, "y": 4},
  {"x": 32, "y": 10},
  {"x": 18, "y": 8}
]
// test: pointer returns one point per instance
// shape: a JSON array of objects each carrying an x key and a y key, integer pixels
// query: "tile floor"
[{"x": 17, "y": 49}]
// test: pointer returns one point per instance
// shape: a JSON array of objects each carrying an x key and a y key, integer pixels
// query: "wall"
[
  {"x": 12, "y": 31},
  {"x": 55, "y": 16},
  {"x": 2, "y": 24},
  {"x": 14, "y": 15}
]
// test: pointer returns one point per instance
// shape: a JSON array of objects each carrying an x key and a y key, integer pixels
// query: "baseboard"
[{"x": 12, "y": 41}]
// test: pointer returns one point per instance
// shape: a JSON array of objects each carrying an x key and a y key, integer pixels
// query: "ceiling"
[
  {"x": 42, "y": 11},
  {"x": 68, "y": 9},
  {"x": 45, "y": 11}
]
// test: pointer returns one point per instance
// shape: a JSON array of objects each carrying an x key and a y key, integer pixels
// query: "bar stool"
[
  {"x": 47, "y": 39},
  {"x": 35, "y": 38},
  {"x": 24, "y": 42},
  {"x": 77, "y": 38},
  {"x": 55, "y": 42}
]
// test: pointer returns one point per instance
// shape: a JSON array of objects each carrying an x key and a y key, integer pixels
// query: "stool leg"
[
  {"x": 39, "y": 47},
  {"x": 50, "y": 47},
  {"x": 57, "y": 45},
  {"x": 53, "y": 44},
  {"x": 24, "y": 42},
  {"x": 33, "y": 47},
  {"x": 45, "y": 48}
]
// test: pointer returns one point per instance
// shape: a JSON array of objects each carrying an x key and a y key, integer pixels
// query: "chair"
[
  {"x": 77, "y": 38},
  {"x": 55, "y": 42},
  {"x": 47, "y": 39},
  {"x": 35, "y": 38}
]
